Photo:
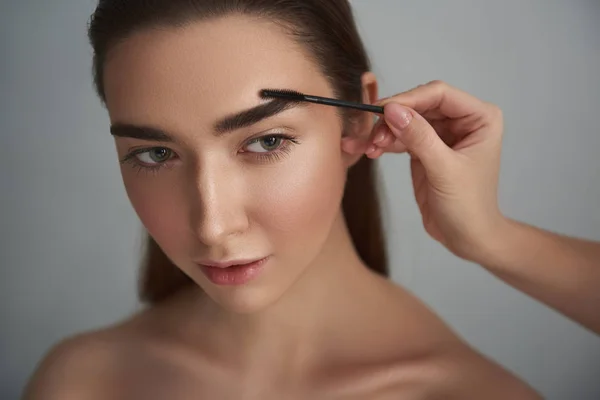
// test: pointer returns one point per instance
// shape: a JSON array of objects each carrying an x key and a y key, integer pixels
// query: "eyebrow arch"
[
  {"x": 254, "y": 115},
  {"x": 228, "y": 124}
]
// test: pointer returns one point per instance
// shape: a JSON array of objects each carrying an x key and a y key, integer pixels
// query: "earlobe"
[{"x": 351, "y": 158}]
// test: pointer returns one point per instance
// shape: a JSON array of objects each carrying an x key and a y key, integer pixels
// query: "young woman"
[{"x": 265, "y": 273}]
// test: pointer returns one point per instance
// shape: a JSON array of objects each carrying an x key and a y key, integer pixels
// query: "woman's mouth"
[{"x": 232, "y": 273}]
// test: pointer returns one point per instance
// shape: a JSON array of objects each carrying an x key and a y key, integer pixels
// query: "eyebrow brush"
[{"x": 294, "y": 96}]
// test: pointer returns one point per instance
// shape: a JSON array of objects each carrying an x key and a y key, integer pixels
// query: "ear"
[{"x": 361, "y": 124}]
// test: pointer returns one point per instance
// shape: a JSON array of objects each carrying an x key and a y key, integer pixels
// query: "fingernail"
[
  {"x": 400, "y": 117},
  {"x": 379, "y": 138},
  {"x": 371, "y": 149}
]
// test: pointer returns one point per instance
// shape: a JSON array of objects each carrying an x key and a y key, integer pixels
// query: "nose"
[{"x": 218, "y": 210}]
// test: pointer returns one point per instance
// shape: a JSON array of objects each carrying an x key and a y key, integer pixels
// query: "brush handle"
[{"x": 343, "y": 103}]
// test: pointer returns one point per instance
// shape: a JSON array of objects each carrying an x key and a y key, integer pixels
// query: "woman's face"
[{"x": 213, "y": 186}]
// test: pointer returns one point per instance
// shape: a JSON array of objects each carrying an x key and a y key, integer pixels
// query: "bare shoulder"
[
  {"x": 133, "y": 358},
  {"x": 438, "y": 363},
  {"x": 460, "y": 372},
  {"x": 87, "y": 365},
  {"x": 74, "y": 368}
]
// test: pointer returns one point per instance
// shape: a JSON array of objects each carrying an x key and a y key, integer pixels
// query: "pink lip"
[
  {"x": 232, "y": 273},
  {"x": 227, "y": 264}
]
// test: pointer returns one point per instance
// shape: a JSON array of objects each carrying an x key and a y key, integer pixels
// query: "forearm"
[{"x": 562, "y": 272}]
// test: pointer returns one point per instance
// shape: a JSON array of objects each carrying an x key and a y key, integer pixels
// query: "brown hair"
[{"x": 327, "y": 29}]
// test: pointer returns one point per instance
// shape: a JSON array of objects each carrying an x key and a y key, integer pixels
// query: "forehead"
[{"x": 204, "y": 71}]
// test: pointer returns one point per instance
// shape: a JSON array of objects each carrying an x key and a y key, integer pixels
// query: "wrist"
[
  {"x": 495, "y": 243},
  {"x": 499, "y": 244}
]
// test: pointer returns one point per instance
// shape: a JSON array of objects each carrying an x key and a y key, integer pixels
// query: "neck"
[{"x": 286, "y": 334}]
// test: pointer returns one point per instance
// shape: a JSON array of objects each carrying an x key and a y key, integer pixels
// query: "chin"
[
  {"x": 254, "y": 295},
  {"x": 244, "y": 299}
]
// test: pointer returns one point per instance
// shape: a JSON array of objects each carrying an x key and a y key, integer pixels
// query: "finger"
[
  {"x": 378, "y": 152},
  {"x": 357, "y": 144},
  {"x": 419, "y": 137},
  {"x": 396, "y": 147},
  {"x": 386, "y": 140},
  {"x": 384, "y": 136},
  {"x": 380, "y": 132},
  {"x": 439, "y": 99},
  {"x": 380, "y": 138},
  {"x": 392, "y": 145}
]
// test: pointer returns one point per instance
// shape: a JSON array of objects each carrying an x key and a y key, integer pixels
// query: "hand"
[{"x": 454, "y": 141}]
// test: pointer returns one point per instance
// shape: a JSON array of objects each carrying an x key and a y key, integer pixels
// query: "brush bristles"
[{"x": 282, "y": 94}]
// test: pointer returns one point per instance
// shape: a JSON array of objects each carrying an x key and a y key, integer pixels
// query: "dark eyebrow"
[
  {"x": 254, "y": 115},
  {"x": 227, "y": 124},
  {"x": 140, "y": 132}
]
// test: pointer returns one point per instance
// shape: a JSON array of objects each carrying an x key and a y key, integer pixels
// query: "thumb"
[{"x": 418, "y": 136}]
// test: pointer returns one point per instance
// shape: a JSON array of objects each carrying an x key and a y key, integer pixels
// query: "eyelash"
[{"x": 263, "y": 157}]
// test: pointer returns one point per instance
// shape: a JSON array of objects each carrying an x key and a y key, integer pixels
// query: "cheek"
[
  {"x": 303, "y": 195},
  {"x": 161, "y": 210}
]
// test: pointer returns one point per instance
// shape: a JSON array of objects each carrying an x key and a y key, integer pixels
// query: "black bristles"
[{"x": 281, "y": 94}]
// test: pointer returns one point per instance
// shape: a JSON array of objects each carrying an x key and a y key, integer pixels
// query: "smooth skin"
[{"x": 317, "y": 323}]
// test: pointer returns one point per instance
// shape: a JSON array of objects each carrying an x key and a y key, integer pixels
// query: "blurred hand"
[{"x": 454, "y": 141}]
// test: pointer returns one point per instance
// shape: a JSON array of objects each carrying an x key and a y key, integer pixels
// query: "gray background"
[{"x": 70, "y": 239}]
